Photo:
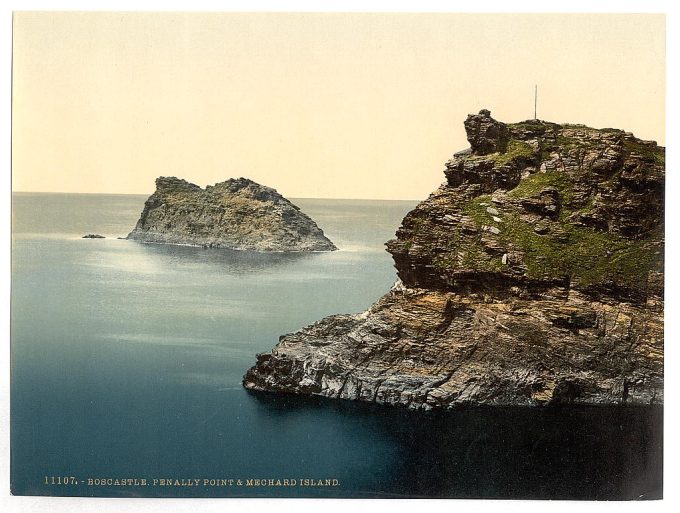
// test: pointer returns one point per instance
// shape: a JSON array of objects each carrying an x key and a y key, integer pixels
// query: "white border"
[{"x": 69, "y": 505}]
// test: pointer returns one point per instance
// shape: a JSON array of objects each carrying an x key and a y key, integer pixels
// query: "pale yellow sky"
[{"x": 314, "y": 105}]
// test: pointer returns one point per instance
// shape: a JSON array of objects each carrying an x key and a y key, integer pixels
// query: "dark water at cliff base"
[
  {"x": 577, "y": 452},
  {"x": 127, "y": 362}
]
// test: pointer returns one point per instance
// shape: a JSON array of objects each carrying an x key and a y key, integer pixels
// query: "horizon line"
[{"x": 149, "y": 194}]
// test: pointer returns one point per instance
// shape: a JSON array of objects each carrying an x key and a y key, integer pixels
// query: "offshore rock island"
[
  {"x": 533, "y": 276},
  {"x": 236, "y": 214}
]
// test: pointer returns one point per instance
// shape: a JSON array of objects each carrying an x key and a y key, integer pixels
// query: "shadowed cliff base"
[
  {"x": 532, "y": 276},
  {"x": 575, "y": 452}
]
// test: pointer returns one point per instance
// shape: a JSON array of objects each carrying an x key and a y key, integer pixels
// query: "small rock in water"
[{"x": 93, "y": 236}]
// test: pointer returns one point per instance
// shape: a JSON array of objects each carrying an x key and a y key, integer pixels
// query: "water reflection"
[{"x": 226, "y": 260}]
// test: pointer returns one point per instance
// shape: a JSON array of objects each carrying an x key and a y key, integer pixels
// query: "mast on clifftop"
[{"x": 535, "y": 99}]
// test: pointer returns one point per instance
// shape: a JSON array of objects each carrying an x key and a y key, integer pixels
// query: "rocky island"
[
  {"x": 236, "y": 214},
  {"x": 532, "y": 276}
]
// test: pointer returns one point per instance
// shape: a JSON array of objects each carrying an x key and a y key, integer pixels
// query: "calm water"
[{"x": 127, "y": 361}]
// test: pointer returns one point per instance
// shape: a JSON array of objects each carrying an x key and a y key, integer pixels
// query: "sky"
[{"x": 315, "y": 105}]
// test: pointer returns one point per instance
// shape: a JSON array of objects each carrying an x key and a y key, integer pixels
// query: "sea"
[{"x": 127, "y": 361}]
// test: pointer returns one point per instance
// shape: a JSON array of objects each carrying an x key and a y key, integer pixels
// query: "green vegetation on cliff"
[
  {"x": 514, "y": 150},
  {"x": 583, "y": 254}
]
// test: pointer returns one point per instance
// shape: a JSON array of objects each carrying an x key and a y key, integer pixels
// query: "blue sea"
[{"x": 127, "y": 360}]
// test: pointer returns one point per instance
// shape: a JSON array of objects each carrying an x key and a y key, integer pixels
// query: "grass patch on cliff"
[
  {"x": 585, "y": 255},
  {"x": 476, "y": 209},
  {"x": 535, "y": 183},
  {"x": 514, "y": 150},
  {"x": 474, "y": 257},
  {"x": 564, "y": 142},
  {"x": 655, "y": 153},
  {"x": 467, "y": 253},
  {"x": 571, "y": 139},
  {"x": 415, "y": 225}
]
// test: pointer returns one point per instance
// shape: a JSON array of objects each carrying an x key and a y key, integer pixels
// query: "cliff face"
[
  {"x": 533, "y": 275},
  {"x": 236, "y": 214}
]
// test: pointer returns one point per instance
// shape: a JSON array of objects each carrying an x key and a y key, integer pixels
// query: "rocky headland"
[
  {"x": 532, "y": 276},
  {"x": 236, "y": 214}
]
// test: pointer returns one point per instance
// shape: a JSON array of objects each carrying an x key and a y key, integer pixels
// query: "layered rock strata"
[
  {"x": 532, "y": 276},
  {"x": 236, "y": 214}
]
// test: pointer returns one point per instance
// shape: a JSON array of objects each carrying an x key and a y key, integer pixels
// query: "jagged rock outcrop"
[
  {"x": 532, "y": 276},
  {"x": 485, "y": 134},
  {"x": 236, "y": 214}
]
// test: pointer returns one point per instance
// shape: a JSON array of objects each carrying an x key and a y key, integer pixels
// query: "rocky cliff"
[
  {"x": 236, "y": 214},
  {"x": 532, "y": 276}
]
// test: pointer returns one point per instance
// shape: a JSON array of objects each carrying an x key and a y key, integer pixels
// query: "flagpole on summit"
[{"x": 535, "y": 99}]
